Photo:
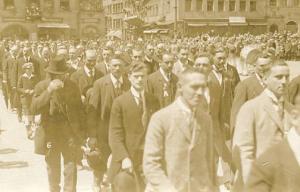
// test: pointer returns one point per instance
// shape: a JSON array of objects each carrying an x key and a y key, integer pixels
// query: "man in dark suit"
[
  {"x": 162, "y": 83},
  {"x": 128, "y": 123},
  {"x": 250, "y": 87},
  {"x": 183, "y": 62},
  {"x": 103, "y": 66},
  {"x": 28, "y": 58},
  {"x": 58, "y": 101},
  {"x": 88, "y": 74},
  {"x": 10, "y": 75},
  {"x": 104, "y": 92},
  {"x": 44, "y": 62},
  {"x": 294, "y": 91},
  {"x": 222, "y": 81},
  {"x": 151, "y": 64},
  {"x": 278, "y": 169}
]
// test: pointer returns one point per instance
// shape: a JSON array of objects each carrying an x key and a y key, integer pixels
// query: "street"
[{"x": 23, "y": 171}]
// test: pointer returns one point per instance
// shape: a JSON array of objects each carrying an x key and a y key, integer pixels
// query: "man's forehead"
[
  {"x": 280, "y": 70},
  {"x": 263, "y": 61},
  {"x": 202, "y": 60}
]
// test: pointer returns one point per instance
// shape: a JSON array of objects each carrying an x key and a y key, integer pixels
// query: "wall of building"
[{"x": 76, "y": 18}]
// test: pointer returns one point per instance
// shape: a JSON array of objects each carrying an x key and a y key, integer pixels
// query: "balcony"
[{"x": 33, "y": 12}]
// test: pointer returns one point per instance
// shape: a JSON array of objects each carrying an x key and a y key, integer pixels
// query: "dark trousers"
[{"x": 53, "y": 161}]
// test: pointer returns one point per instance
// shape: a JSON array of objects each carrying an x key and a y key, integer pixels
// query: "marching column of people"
[{"x": 157, "y": 117}]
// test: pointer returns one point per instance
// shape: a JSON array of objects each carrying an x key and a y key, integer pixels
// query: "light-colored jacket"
[
  {"x": 258, "y": 127},
  {"x": 177, "y": 159}
]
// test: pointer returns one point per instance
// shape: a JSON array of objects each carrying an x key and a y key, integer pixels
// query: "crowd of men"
[{"x": 160, "y": 115}]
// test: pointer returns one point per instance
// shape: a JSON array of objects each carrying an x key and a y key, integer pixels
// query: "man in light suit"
[
  {"x": 178, "y": 155},
  {"x": 278, "y": 169},
  {"x": 162, "y": 83},
  {"x": 262, "y": 121},
  {"x": 250, "y": 87},
  {"x": 105, "y": 90},
  {"x": 129, "y": 118}
]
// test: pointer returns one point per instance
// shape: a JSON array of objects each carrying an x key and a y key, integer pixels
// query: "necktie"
[
  {"x": 118, "y": 87},
  {"x": 280, "y": 105}
]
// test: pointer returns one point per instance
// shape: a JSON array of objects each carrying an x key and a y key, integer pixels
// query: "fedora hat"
[
  {"x": 125, "y": 181},
  {"x": 58, "y": 66}
]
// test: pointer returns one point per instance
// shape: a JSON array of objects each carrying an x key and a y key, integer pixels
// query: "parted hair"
[{"x": 136, "y": 67}]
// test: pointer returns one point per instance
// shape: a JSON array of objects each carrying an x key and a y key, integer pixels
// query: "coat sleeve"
[
  {"x": 40, "y": 99},
  {"x": 244, "y": 140},
  {"x": 154, "y": 157},
  {"x": 117, "y": 132},
  {"x": 261, "y": 175},
  {"x": 240, "y": 97},
  {"x": 93, "y": 109}
]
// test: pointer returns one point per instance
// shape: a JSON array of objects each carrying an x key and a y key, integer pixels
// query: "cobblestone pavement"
[{"x": 23, "y": 171}]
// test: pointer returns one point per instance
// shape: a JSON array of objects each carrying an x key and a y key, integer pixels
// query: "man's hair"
[
  {"x": 276, "y": 63},
  {"x": 136, "y": 67},
  {"x": 188, "y": 71},
  {"x": 209, "y": 56}
]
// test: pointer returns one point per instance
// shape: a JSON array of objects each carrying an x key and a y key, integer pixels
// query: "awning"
[
  {"x": 134, "y": 20},
  {"x": 197, "y": 24},
  {"x": 155, "y": 31},
  {"x": 116, "y": 33},
  {"x": 238, "y": 24},
  {"x": 53, "y": 25},
  {"x": 236, "y": 20},
  {"x": 257, "y": 23},
  {"x": 164, "y": 23},
  {"x": 164, "y": 31},
  {"x": 218, "y": 24}
]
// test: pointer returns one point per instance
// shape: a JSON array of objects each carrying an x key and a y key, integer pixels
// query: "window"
[
  {"x": 167, "y": 7},
  {"x": 231, "y": 5},
  {"x": 252, "y": 6},
  {"x": 65, "y": 5},
  {"x": 242, "y": 5},
  {"x": 9, "y": 4},
  {"x": 220, "y": 6},
  {"x": 199, "y": 5},
  {"x": 210, "y": 5},
  {"x": 188, "y": 4},
  {"x": 273, "y": 3}
]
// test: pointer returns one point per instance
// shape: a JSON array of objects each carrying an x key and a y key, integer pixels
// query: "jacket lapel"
[
  {"x": 269, "y": 108},
  {"x": 182, "y": 123}
]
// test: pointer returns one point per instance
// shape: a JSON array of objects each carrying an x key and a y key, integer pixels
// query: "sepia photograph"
[{"x": 150, "y": 95}]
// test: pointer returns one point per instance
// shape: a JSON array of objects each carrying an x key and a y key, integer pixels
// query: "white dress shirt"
[
  {"x": 116, "y": 81},
  {"x": 165, "y": 76},
  {"x": 137, "y": 95},
  {"x": 88, "y": 71}
]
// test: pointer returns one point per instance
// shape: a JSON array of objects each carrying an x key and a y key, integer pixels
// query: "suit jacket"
[
  {"x": 294, "y": 89},
  {"x": 83, "y": 80},
  {"x": 65, "y": 122},
  {"x": 174, "y": 159},
  {"x": 10, "y": 71},
  {"x": 164, "y": 91},
  {"x": 221, "y": 97},
  {"x": 276, "y": 170},
  {"x": 99, "y": 107},
  {"x": 43, "y": 64},
  {"x": 244, "y": 91},
  {"x": 102, "y": 68},
  {"x": 152, "y": 65},
  {"x": 258, "y": 127},
  {"x": 126, "y": 130}
]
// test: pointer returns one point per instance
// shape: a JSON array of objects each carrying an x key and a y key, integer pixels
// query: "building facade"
[
  {"x": 55, "y": 19},
  {"x": 223, "y": 16}
]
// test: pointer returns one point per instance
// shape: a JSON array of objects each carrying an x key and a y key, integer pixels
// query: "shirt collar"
[
  {"x": 87, "y": 71},
  {"x": 115, "y": 80},
  {"x": 165, "y": 76},
  {"x": 135, "y": 93},
  {"x": 260, "y": 80},
  {"x": 27, "y": 76},
  {"x": 272, "y": 96},
  {"x": 294, "y": 141}
]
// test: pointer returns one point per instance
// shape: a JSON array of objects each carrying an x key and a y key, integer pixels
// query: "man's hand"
[
  {"x": 55, "y": 85},
  {"x": 92, "y": 143},
  {"x": 127, "y": 164}
]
